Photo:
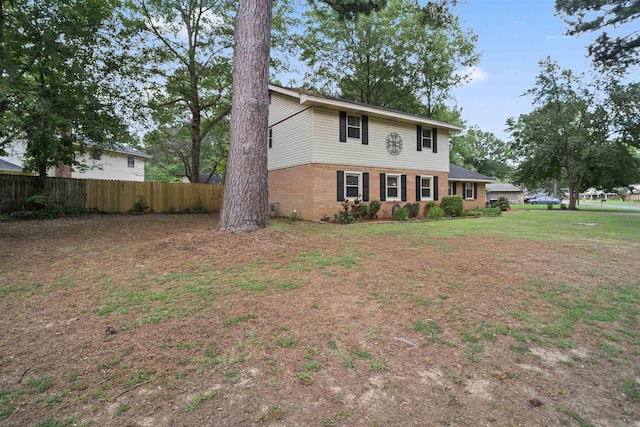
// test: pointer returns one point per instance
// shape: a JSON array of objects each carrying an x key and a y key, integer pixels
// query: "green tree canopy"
[
  {"x": 389, "y": 58},
  {"x": 187, "y": 48},
  {"x": 482, "y": 152},
  {"x": 575, "y": 132},
  {"x": 584, "y": 16},
  {"x": 58, "y": 65}
]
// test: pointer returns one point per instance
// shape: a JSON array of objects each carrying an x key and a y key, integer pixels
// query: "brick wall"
[
  {"x": 63, "y": 171},
  {"x": 311, "y": 189}
]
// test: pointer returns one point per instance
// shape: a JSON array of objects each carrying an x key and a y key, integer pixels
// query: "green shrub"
[
  {"x": 503, "y": 204},
  {"x": 485, "y": 212},
  {"x": 140, "y": 206},
  {"x": 413, "y": 209},
  {"x": 350, "y": 212},
  {"x": 428, "y": 206},
  {"x": 374, "y": 207},
  {"x": 363, "y": 212},
  {"x": 38, "y": 201},
  {"x": 452, "y": 206},
  {"x": 435, "y": 212},
  {"x": 401, "y": 214}
]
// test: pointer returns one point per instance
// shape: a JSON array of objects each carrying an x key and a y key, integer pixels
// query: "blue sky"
[{"x": 513, "y": 36}]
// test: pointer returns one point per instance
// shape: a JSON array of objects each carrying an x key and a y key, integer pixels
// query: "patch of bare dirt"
[{"x": 163, "y": 320}]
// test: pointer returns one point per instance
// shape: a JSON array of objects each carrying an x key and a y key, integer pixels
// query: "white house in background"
[{"x": 121, "y": 163}]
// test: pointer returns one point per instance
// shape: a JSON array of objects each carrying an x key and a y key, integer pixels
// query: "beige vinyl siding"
[
  {"x": 292, "y": 144},
  {"x": 283, "y": 106},
  {"x": 328, "y": 149}
]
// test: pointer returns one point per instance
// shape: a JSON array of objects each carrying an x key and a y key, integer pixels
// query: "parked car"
[
  {"x": 529, "y": 198},
  {"x": 545, "y": 200}
]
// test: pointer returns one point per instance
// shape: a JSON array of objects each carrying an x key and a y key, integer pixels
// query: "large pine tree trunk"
[{"x": 245, "y": 203}]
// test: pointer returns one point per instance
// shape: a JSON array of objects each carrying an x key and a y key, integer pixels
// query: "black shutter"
[
  {"x": 418, "y": 188},
  {"x": 464, "y": 190},
  {"x": 365, "y": 187},
  {"x": 434, "y": 140},
  {"x": 419, "y": 129},
  {"x": 435, "y": 188},
  {"x": 383, "y": 187},
  {"x": 365, "y": 130},
  {"x": 340, "y": 188},
  {"x": 475, "y": 190},
  {"x": 454, "y": 187},
  {"x": 403, "y": 188},
  {"x": 343, "y": 126}
]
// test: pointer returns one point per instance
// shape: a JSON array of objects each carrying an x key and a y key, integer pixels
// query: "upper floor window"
[
  {"x": 353, "y": 127},
  {"x": 131, "y": 161},
  {"x": 270, "y": 137},
  {"x": 426, "y": 138}
]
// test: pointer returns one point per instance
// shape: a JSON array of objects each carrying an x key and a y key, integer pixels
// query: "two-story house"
[
  {"x": 322, "y": 150},
  {"x": 120, "y": 163}
]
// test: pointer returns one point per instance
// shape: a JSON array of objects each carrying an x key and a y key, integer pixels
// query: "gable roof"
[
  {"x": 7, "y": 166},
  {"x": 316, "y": 99},
  {"x": 457, "y": 173},
  {"x": 502, "y": 187},
  {"x": 121, "y": 148}
]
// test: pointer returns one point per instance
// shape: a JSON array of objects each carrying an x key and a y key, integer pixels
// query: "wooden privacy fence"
[
  {"x": 110, "y": 196},
  {"x": 16, "y": 189},
  {"x": 120, "y": 196}
]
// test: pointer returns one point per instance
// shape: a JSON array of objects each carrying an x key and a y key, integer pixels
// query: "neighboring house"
[
  {"x": 205, "y": 179},
  {"x": 594, "y": 194},
  {"x": 512, "y": 192},
  {"x": 634, "y": 193},
  {"x": 120, "y": 163},
  {"x": 9, "y": 168},
  {"x": 322, "y": 150}
]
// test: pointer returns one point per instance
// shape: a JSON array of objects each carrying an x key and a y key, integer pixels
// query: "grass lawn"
[{"x": 530, "y": 318}]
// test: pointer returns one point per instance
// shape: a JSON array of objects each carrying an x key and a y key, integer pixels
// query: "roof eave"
[
  {"x": 364, "y": 108},
  {"x": 311, "y": 100}
]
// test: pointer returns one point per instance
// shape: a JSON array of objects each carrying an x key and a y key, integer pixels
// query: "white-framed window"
[
  {"x": 353, "y": 127},
  {"x": 352, "y": 185},
  {"x": 450, "y": 189},
  {"x": 426, "y": 188},
  {"x": 270, "y": 137},
  {"x": 427, "y": 138},
  {"x": 468, "y": 190},
  {"x": 393, "y": 187},
  {"x": 131, "y": 161}
]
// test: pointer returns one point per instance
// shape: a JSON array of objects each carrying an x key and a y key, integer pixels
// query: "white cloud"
[{"x": 475, "y": 75}]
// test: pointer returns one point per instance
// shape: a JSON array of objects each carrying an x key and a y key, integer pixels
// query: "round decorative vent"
[{"x": 394, "y": 144}]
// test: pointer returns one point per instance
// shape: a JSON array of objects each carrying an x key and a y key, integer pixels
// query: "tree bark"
[{"x": 245, "y": 202}]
